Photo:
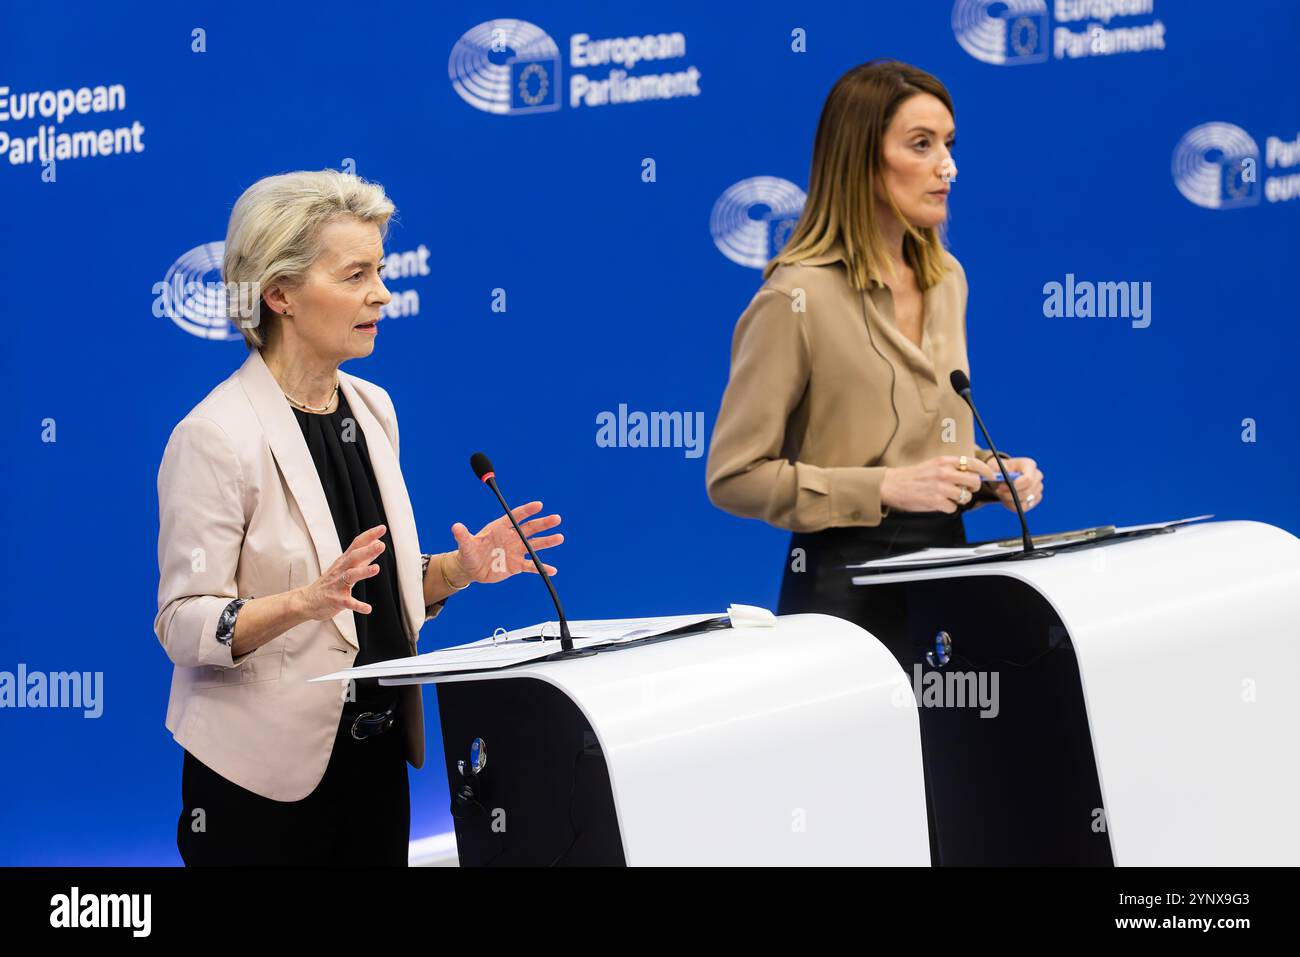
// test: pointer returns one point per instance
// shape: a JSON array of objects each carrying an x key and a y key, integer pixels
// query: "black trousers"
[
  {"x": 359, "y": 814},
  {"x": 815, "y": 581}
]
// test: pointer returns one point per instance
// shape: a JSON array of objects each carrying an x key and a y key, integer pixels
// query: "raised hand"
[
  {"x": 496, "y": 553},
  {"x": 332, "y": 592}
]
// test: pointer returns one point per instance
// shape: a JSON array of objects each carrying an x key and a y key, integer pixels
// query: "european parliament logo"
[
  {"x": 506, "y": 66},
  {"x": 194, "y": 297},
  {"x": 1002, "y": 32},
  {"x": 753, "y": 219},
  {"x": 1216, "y": 166}
]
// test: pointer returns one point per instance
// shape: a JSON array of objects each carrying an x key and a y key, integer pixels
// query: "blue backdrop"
[{"x": 1111, "y": 141}]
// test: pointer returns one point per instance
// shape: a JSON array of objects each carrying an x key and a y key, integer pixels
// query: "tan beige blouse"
[{"x": 807, "y": 425}]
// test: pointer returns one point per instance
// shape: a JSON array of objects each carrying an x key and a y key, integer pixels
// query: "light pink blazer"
[{"x": 242, "y": 513}]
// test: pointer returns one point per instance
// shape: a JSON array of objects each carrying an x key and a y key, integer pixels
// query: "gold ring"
[{"x": 961, "y": 464}]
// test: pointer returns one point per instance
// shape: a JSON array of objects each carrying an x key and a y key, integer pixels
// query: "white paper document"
[
  {"x": 521, "y": 645},
  {"x": 614, "y": 630},
  {"x": 1009, "y": 547}
]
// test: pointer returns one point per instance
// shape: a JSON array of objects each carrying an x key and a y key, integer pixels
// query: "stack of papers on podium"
[
  {"x": 1012, "y": 546},
  {"x": 522, "y": 645}
]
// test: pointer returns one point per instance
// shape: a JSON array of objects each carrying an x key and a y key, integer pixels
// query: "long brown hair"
[{"x": 848, "y": 155}]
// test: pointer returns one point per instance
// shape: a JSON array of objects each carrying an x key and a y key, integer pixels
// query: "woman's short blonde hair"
[{"x": 274, "y": 232}]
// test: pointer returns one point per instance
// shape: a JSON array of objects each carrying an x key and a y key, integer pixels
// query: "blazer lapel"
[
  {"x": 397, "y": 507},
  {"x": 299, "y": 471}
]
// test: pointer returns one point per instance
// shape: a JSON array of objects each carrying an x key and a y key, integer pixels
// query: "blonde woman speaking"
[{"x": 287, "y": 549}]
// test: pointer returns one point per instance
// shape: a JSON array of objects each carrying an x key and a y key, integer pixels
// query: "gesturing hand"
[
  {"x": 332, "y": 592},
  {"x": 496, "y": 552}
]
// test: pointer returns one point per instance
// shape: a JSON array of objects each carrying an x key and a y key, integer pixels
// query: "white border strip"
[{"x": 436, "y": 851}]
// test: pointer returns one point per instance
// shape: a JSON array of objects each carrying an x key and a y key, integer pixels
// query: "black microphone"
[
  {"x": 962, "y": 386},
  {"x": 482, "y": 467}
]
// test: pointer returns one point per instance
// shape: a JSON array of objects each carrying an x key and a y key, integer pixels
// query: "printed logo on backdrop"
[
  {"x": 506, "y": 66},
  {"x": 193, "y": 295},
  {"x": 1012, "y": 32},
  {"x": 752, "y": 220},
  {"x": 1217, "y": 166},
  {"x": 513, "y": 67},
  {"x": 1016, "y": 32},
  {"x": 47, "y": 142}
]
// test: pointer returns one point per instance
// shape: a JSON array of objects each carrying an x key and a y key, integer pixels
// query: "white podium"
[
  {"x": 1150, "y": 677},
  {"x": 793, "y": 744}
]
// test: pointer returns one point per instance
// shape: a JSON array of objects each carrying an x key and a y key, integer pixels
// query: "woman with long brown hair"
[{"x": 838, "y": 422}]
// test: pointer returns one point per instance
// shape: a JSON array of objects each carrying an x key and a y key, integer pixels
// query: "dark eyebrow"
[{"x": 926, "y": 129}]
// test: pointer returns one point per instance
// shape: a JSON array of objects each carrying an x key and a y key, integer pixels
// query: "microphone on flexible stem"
[
  {"x": 482, "y": 467},
  {"x": 961, "y": 384}
]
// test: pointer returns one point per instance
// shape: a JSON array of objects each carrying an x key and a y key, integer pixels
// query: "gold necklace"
[{"x": 307, "y": 408}]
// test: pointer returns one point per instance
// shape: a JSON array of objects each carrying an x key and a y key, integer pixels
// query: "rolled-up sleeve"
[
  {"x": 747, "y": 473},
  {"x": 201, "y": 525}
]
